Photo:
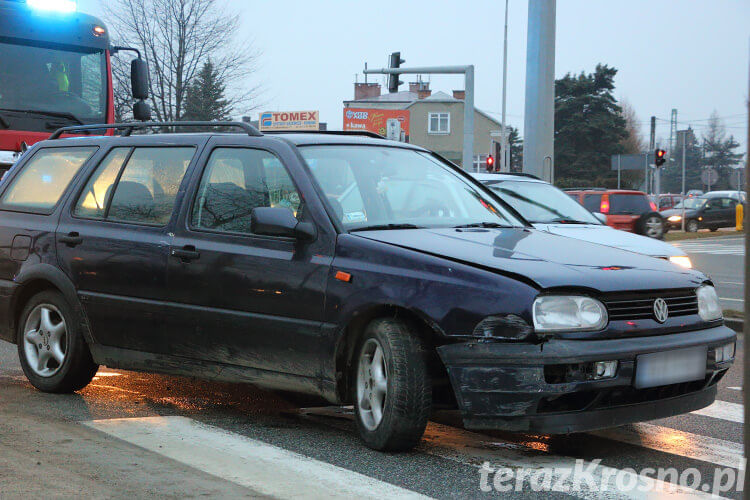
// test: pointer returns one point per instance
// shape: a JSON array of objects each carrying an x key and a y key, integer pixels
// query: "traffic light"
[
  {"x": 393, "y": 81},
  {"x": 490, "y": 163},
  {"x": 660, "y": 157}
]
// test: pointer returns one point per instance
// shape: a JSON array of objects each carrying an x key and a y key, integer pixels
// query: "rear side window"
[
  {"x": 628, "y": 204},
  {"x": 135, "y": 185},
  {"x": 592, "y": 202},
  {"x": 236, "y": 181},
  {"x": 43, "y": 180}
]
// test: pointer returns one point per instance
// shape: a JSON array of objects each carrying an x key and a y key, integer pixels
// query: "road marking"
[
  {"x": 724, "y": 410},
  {"x": 474, "y": 449},
  {"x": 265, "y": 468},
  {"x": 731, "y": 282},
  {"x": 685, "y": 444},
  {"x": 721, "y": 247},
  {"x": 734, "y": 388},
  {"x": 733, "y": 300}
]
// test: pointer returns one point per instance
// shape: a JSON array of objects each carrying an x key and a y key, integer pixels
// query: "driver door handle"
[{"x": 186, "y": 254}]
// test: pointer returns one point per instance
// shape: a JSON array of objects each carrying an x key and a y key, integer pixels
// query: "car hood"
[
  {"x": 547, "y": 260},
  {"x": 610, "y": 237}
]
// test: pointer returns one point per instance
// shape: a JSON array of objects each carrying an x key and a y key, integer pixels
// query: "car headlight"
[
  {"x": 709, "y": 308},
  {"x": 674, "y": 218},
  {"x": 553, "y": 313},
  {"x": 681, "y": 260}
]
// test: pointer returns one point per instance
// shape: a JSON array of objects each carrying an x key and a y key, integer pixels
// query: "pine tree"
[
  {"x": 671, "y": 178},
  {"x": 205, "y": 100},
  {"x": 719, "y": 151},
  {"x": 515, "y": 143},
  {"x": 589, "y": 128}
]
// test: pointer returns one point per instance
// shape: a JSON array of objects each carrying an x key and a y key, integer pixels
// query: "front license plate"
[{"x": 670, "y": 367}]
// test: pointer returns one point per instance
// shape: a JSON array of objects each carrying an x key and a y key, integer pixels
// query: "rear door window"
[
  {"x": 136, "y": 185},
  {"x": 44, "y": 179},
  {"x": 592, "y": 202},
  {"x": 628, "y": 204}
]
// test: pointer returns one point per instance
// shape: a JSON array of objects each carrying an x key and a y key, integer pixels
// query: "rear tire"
[
  {"x": 713, "y": 229},
  {"x": 53, "y": 354},
  {"x": 691, "y": 226},
  {"x": 392, "y": 388},
  {"x": 651, "y": 225}
]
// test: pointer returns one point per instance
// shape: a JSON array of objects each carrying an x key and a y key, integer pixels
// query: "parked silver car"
[{"x": 550, "y": 209}]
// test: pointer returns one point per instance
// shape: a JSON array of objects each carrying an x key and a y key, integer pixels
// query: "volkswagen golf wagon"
[{"x": 344, "y": 266}]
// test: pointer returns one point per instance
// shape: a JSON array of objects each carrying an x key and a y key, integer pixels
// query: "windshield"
[
  {"x": 691, "y": 203},
  {"x": 42, "y": 89},
  {"x": 374, "y": 187},
  {"x": 542, "y": 203}
]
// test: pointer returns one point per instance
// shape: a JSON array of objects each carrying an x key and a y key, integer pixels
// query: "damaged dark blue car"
[{"x": 345, "y": 266}]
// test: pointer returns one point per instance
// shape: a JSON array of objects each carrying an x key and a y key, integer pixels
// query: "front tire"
[
  {"x": 392, "y": 386},
  {"x": 53, "y": 354},
  {"x": 691, "y": 226},
  {"x": 651, "y": 225}
]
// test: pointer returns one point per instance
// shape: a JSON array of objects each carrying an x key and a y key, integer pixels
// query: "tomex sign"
[{"x": 289, "y": 120}]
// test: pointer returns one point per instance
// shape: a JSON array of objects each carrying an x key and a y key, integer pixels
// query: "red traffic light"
[
  {"x": 490, "y": 162},
  {"x": 659, "y": 157}
]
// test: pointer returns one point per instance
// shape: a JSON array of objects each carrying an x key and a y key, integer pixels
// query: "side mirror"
[
  {"x": 139, "y": 79},
  {"x": 142, "y": 111},
  {"x": 602, "y": 218},
  {"x": 278, "y": 221}
]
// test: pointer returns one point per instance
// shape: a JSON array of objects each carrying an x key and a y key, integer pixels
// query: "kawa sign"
[
  {"x": 377, "y": 120},
  {"x": 289, "y": 120}
]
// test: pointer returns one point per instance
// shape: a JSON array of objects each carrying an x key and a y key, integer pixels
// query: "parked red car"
[
  {"x": 630, "y": 211},
  {"x": 667, "y": 201}
]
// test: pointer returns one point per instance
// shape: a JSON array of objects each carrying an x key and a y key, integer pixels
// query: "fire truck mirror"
[{"x": 139, "y": 78}]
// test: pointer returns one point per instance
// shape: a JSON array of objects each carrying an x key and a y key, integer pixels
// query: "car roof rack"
[
  {"x": 365, "y": 133},
  {"x": 130, "y": 126}
]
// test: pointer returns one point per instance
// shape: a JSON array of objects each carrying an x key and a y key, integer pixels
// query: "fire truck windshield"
[{"x": 44, "y": 88}]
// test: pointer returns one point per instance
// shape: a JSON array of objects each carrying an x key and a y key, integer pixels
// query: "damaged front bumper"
[{"x": 547, "y": 388}]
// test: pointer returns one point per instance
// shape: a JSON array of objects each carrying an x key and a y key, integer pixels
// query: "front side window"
[
  {"x": 439, "y": 123},
  {"x": 394, "y": 188},
  {"x": 44, "y": 178},
  {"x": 43, "y": 88},
  {"x": 142, "y": 191},
  {"x": 237, "y": 180}
]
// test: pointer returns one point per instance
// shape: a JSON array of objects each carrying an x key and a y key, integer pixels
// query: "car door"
[
  {"x": 712, "y": 213},
  {"x": 728, "y": 212},
  {"x": 246, "y": 299},
  {"x": 113, "y": 240}
]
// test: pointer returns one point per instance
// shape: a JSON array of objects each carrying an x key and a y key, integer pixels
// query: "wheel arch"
[
  {"x": 36, "y": 279},
  {"x": 356, "y": 327}
]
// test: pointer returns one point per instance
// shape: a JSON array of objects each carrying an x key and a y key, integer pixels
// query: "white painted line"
[
  {"x": 474, "y": 449},
  {"x": 724, "y": 410},
  {"x": 730, "y": 282},
  {"x": 685, "y": 444},
  {"x": 733, "y": 300},
  {"x": 734, "y": 388},
  {"x": 264, "y": 468}
]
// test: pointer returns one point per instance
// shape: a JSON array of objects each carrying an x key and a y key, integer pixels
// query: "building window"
[
  {"x": 480, "y": 163},
  {"x": 439, "y": 123}
]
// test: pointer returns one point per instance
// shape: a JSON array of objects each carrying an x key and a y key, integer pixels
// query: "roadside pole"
[
  {"x": 684, "y": 140},
  {"x": 746, "y": 367},
  {"x": 651, "y": 148},
  {"x": 619, "y": 158},
  {"x": 504, "y": 167}
]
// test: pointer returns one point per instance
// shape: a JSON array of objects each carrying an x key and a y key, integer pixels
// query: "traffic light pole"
[{"x": 468, "y": 72}]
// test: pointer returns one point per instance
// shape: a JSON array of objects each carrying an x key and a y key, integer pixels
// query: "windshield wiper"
[
  {"x": 563, "y": 221},
  {"x": 482, "y": 224},
  {"x": 54, "y": 114},
  {"x": 379, "y": 227}
]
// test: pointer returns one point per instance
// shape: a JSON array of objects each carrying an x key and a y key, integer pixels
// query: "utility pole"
[
  {"x": 539, "y": 113},
  {"x": 504, "y": 166},
  {"x": 684, "y": 134},
  {"x": 468, "y": 72},
  {"x": 651, "y": 148}
]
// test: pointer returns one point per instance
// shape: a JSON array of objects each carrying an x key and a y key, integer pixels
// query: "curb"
[{"x": 735, "y": 324}]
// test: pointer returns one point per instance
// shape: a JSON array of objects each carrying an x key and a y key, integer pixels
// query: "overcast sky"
[{"x": 691, "y": 55}]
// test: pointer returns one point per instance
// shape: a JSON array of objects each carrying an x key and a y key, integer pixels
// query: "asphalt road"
[
  {"x": 722, "y": 258},
  {"x": 134, "y": 435}
]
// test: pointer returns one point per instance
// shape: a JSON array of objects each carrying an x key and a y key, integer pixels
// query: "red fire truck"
[{"x": 55, "y": 71}]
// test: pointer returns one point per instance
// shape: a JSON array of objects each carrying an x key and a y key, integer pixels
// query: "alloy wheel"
[
  {"x": 372, "y": 384},
  {"x": 45, "y": 340},
  {"x": 654, "y": 227}
]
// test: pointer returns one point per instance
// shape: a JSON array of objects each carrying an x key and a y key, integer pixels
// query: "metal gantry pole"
[
  {"x": 539, "y": 113},
  {"x": 504, "y": 167},
  {"x": 684, "y": 141},
  {"x": 468, "y": 72}
]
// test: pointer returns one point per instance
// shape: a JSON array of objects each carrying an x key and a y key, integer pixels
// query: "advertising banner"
[
  {"x": 390, "y": 123},
  {"x": 288, "y": 120}
]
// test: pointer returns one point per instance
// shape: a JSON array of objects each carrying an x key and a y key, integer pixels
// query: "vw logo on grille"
[{"x": 661, "y": 310}]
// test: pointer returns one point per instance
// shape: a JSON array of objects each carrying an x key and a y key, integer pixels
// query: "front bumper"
[{"x": 511, "y": 386}]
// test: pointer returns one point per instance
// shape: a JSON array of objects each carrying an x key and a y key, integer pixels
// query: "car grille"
[{"x": 640, "y": 305}]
